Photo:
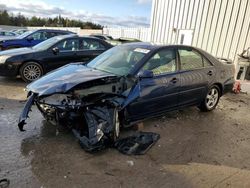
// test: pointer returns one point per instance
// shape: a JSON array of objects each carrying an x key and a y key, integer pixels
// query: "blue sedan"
[
  {"x": 125, "y": 85},
  {"x": 30, "y": 38}
]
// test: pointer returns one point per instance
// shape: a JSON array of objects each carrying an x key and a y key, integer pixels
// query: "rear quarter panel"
[{"x": 224, "y": 73}]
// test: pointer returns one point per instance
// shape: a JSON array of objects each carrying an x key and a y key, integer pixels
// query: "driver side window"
[{"x": 162, "y": 62}]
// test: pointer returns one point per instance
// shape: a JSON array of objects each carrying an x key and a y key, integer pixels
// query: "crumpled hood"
[
  {"x": 65, "y": 78},
  {"x": 17, "y": 51}
]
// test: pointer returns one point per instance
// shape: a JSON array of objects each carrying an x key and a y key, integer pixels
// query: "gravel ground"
[{"x": 195, "y": 149}]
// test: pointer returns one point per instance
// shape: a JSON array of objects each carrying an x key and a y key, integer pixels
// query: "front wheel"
[
  {"x": 211, "y": 100},
  {"x": 31, "y": 71}
]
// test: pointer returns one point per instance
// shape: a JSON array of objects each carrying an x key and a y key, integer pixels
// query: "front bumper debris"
[{"x": 24, "y": 114}]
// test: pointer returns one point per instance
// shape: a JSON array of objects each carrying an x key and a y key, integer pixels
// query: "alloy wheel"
[
  {"x": 212, "y": 98},
  {"x": 32, "y": 72}
]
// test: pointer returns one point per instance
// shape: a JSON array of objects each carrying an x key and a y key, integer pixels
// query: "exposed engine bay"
[{"x": 91, "y": 110}]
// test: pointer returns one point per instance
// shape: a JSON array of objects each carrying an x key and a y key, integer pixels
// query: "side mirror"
[
  {"x": 146, "y": 74},
  {"x": 55, "y": 50},
  {"x": 30, "y": 38}
]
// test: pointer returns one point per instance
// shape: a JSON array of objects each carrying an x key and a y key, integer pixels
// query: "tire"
[
  {"x": 211, "y": 100},
  {"x": 31, "y": 71},
  {"x": 114, "y": 135}
]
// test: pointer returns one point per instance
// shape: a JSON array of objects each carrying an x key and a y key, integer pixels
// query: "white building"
[{"x": 221, "y": 27}]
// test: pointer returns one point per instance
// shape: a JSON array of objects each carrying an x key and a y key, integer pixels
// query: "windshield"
[
  {"x": 119, "y": 60},
  {"x": 25, "y": 34},
  {"x": 47, "y": 43}
]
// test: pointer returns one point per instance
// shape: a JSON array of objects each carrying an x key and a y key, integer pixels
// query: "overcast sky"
[{"x": 126, "y": 13}]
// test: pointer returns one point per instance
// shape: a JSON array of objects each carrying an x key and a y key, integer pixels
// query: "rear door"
[
  {"x": 196, "y": 74},
  {"x": 90, "y": 48},
  {"x": 160, "y": 93}
]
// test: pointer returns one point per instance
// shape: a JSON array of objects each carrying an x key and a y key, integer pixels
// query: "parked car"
[
  {"x": 32, "y": 63},
  {"x": 19, "y": 31},
  {"x": 101, "y": 36},
  {"x": 30, "y": 38},
  {"x": 122, "y": 40},
  {"x": 127, "y": 84},
  {"x": 7, "y": 34}
]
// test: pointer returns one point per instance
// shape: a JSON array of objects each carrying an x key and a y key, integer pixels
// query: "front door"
[
  {"x": 159, "y": 93},
  {"x": 90, "y": 49},
  {"x": 67, "y": 53}
]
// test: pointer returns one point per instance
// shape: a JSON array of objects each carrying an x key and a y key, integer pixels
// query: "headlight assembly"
[{"x": 3, "y": 58}]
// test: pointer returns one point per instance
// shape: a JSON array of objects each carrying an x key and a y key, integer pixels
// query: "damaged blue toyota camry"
[{"x": 125, "y": 85}]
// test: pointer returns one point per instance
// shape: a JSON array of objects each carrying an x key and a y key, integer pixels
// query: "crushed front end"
[{"x": 90, "y": 109}]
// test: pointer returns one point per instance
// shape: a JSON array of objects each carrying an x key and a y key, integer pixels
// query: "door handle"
[
  {"x": 210, "y": 73},
  {"x": 174, "y": 80}
]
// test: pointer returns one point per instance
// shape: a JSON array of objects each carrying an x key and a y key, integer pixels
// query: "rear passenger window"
[{"x": 190, "y": 59}]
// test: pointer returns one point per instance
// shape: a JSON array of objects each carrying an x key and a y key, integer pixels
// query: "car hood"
[
  {"x": 17, "y": 51},
  {"x": 65, "y": 78}
]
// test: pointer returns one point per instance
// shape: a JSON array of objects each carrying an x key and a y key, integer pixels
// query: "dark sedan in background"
[
  {"x": 30, "y": 38},
  {"x": 32, "y": 63},
  {"x": 127, "y": 84}
]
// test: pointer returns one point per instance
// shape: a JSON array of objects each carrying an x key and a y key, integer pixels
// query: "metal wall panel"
[
  {"x": 214, "y": 23},
  {"x": 221, "y": 27},
  {"x": 225, "y": 25},
  {"x": 197, "y": 22}
]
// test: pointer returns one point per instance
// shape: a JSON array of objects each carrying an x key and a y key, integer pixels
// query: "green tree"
[{"x": 20, "y": 20}]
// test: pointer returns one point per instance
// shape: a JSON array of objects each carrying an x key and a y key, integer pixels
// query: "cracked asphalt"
[{"x": 195, "y": 149}]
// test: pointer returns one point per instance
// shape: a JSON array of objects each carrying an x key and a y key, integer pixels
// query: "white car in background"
[{"x": 7, "y": 34}]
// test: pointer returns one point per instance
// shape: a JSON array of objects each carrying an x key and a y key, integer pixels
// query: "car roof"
[
  {"x": 77, "y": 36},
  {"x": 151, "y": 46},
  {"x": 55, "y": 30}
]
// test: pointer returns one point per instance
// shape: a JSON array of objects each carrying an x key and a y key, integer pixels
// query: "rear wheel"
[
  {"x": 211, "y": 100},
  {"x": 31, "y": 71}
]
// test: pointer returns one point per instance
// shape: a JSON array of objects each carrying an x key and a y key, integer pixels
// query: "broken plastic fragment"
[
  {"x": 137, "y": 144},
  {"x": 4, "y": 183}
]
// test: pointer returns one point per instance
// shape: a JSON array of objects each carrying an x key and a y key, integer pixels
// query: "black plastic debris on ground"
[
  {"x": 4, "y": 183},
  {"x": 137, "y": 144}
]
